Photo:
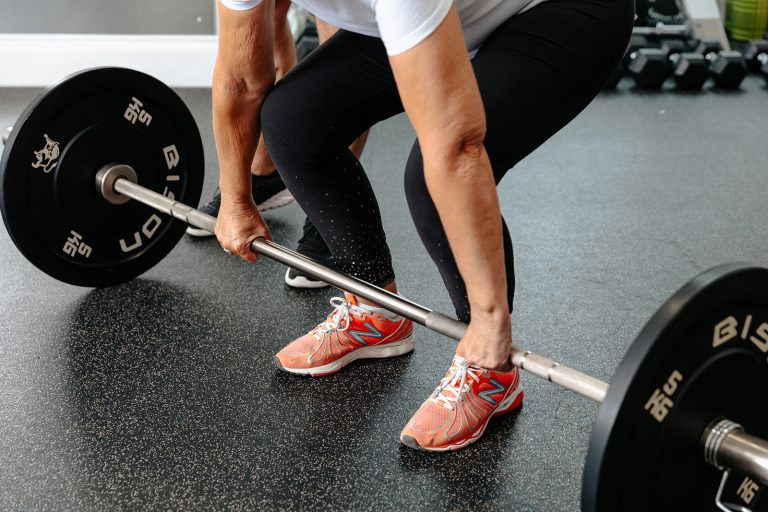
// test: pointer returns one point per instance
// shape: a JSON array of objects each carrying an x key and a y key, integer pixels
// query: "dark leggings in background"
[{"x": 536, "y": 72}]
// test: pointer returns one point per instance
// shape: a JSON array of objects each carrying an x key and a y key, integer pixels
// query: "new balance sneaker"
[
  {"x": 312, "y": 245},
  {"x": 268, "y": 192},
  {"x": 456, "y": 414},
  {"x": 353, "y": 331}
]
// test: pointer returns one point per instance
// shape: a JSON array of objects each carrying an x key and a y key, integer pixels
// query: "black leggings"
[{"x": 536, "y": 72}]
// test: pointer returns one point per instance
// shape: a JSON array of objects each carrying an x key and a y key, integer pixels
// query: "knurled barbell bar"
[{"x": 671, "y": 431}]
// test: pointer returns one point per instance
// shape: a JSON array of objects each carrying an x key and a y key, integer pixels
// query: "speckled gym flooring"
[{"x": 161, "y": 393}]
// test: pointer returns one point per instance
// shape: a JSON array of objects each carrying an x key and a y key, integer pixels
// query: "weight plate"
[
  {"x": 703, "y": 356},
  {"x": 48, "y": 196}
]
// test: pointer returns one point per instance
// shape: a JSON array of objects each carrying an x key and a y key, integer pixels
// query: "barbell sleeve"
[
  {"x": 538, "y": 365},
  {"x": 746, "y": 453},
  {"x": 726, "y": 445}
]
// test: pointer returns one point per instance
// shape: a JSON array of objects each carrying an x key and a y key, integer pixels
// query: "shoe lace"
[
  {"x": 455, "y": 384},
  {"x": 339, "y": 320}
]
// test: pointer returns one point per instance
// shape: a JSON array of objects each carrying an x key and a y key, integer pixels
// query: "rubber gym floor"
[{"x": 161, "y": 393}]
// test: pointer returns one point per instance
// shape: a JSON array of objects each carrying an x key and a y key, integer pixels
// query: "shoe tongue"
[
  {"x": 350, "y": 298},
  {"x": 458, "y": 360}
]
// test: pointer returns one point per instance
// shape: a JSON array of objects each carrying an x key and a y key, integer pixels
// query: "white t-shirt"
[{"x": 402, "y": 24}]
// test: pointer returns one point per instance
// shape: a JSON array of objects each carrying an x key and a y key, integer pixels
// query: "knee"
[
  {"x": 275, "y": 122},
  {"x": 293, "y": 129},
  {"x": 420, "y": 204}
]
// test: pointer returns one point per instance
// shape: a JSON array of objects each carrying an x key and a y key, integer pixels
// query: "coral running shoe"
[
  {"x": 456, "y": 414},
  {"x": 351, "y": 332}
]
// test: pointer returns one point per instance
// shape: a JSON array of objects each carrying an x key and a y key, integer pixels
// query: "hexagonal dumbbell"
[
  {"x": 756, "y": 55},
  {"x": 727, "y": 68},
  {"x": 650, "y": 67},
  {"x": 636, "y": 42},
  {"x": 688, "y": 69}
]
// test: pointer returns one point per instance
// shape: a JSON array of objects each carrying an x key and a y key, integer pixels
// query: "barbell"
[{"x": 93, "y": 163}]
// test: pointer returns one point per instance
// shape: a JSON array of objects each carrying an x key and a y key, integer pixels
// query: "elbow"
[
  {"x": 242, "y": 89},
  {"x": 469, "y": 143},
  {"x": 238, "y": 86},
  {"x": 456, "y": 151}
]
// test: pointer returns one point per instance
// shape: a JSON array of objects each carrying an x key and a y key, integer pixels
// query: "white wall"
[
  {"x": 39, "y": 60},
  {"x": 178, "y": 60}
]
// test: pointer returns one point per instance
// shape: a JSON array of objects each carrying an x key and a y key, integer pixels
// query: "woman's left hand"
[{"x": 488, "y": 343}]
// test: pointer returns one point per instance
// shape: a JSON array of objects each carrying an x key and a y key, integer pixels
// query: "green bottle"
[{"x": 746, "y": 19}]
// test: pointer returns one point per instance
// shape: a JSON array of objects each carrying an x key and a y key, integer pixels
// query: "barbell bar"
[
  {"x": 114, "y": 181},
  {"x": 732, "y": 448}
]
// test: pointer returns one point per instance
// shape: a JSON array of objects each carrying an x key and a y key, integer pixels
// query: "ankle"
[
  {"x": 367, "y": 308},
  {"x": 391, "y": 287}
]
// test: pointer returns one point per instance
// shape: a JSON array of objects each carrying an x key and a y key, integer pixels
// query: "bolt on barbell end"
[{"x": 6, "y": 134}]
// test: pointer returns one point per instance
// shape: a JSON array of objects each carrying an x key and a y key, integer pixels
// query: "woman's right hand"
[{"x": 237, "y": 225}]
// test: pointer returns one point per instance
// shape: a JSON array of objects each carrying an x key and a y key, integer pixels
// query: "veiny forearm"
[
  {"x": 464, "y": 192},
  {"x": 244, "y": 73},
  {"x": 236, "y": 129}
]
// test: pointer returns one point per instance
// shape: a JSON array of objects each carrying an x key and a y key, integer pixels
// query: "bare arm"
[
  {"x": 243, "y": 75},
  {"x": 441, "y": 97},
  {"x": 285, "y": 48},
  {"x": 285, "y": 59}
]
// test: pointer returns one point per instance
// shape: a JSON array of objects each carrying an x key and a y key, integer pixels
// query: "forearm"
[
  {"x": 236, "y": 130},
  {"x": 442, "y": 99},
  {"x": 243, "y": 74},
  {"x": 462, "y": 187}
]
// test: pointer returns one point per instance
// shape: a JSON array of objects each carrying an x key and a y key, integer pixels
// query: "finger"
[
  {"x": 250, "y": 257},
  {"x": 247, "y": 253}
]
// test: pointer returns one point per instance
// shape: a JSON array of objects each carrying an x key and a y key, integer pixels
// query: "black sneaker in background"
[
  {"x": 311, "y": 245},
  {"x": 268, "y": 192}
]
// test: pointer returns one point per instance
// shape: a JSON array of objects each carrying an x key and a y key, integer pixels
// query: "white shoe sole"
[
  {"x": 282, "y": 198},
  {"x": 508, "y": 402},
  {"x": 303, "y": 282},
  {"x": 394, "y": 349}
]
